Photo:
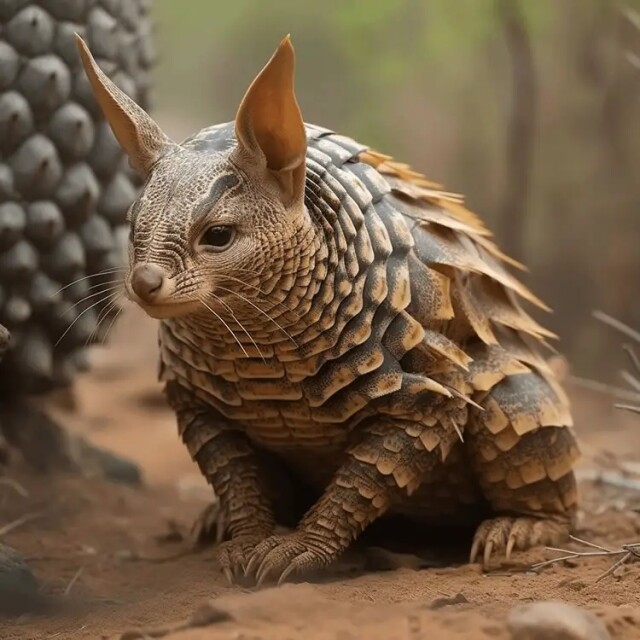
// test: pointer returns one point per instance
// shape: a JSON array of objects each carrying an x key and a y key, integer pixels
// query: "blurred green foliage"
[{"x": 431, "y": 82}]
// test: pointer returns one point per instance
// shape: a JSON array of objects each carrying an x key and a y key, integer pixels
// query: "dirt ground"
[{"x": 119, "y": 559}]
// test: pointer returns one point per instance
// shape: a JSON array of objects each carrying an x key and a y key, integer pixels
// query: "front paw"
[
  {"x": 279, "y": 557},
  {"x": 233, "y": 555},
  {"x": 504, "y": 534}
]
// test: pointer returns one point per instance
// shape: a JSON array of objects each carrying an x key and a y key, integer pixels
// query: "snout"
[
  {"x": 154, "y": 290},
  {"x": 148, "y": 282}
]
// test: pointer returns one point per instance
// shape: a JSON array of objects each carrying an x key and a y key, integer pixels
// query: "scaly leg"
[
  {"x": 232, "y": 467},
  {"x": 389, "y": 462},
  {"x": 523, "y": 451}
]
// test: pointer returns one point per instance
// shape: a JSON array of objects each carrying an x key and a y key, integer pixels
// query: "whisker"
[
  {"x": 88, "y": 297},
  {"x": 91, "y": 275},
  {"x": 226, "y": 325},
  {"x": 246, "y": 284},
  {"x": 233, "y": 315},
  {"x": 247, "y": 271},
  {"x": 80, "y": 316},
  {"x": 115, "y": 317},
  {"x": 100, "y": 284},
  {"x": 274, "y": 305},
  {"x": 102, "y": 316},
  {"x": 264, "y": 295},
  {"x": 264, "y": 313}
]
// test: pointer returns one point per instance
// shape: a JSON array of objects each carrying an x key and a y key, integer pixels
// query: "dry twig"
[
  {"x": 73, "y": 580},
  {"x": 617, "y": 325},
  {"x": 602, "y": 387},
  {"x": 631, "y": 378},
  {"x": 28, "y": 517},
  {"x": 15, "y": 485},
  {"x": 626, "y": 553},
  {"x": 632, "y": 16}
]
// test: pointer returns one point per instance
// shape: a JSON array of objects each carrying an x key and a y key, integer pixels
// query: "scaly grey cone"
[{"x": 65, "y": 185}]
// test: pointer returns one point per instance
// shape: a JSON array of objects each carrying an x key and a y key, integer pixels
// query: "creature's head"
[{"x": 206, "y": 218}]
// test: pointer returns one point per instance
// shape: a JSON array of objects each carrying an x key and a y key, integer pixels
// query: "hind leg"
[{"x": 523, "y": 451}]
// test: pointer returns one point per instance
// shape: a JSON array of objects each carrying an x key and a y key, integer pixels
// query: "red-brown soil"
[{"x": 123, "y": 555}]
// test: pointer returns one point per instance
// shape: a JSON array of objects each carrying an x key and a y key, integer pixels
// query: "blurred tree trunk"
[
  {"x": 614, "y": 79},
  {"x": 521, "y": 128}
]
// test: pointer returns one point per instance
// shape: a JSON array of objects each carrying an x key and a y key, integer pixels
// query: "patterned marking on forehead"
[
  {"x": 156, "y": 204},
  {"x": 221, "y": 185},
  {"x": 219, "y": 138}
]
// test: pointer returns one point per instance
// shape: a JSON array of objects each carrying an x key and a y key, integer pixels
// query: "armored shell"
[
  {"x": 415, "y": 316},
  {"x": 375, "y": 356}
]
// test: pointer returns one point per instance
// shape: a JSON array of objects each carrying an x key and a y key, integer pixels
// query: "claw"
[
  {"x": 263, "y": 572},
  {"x": 252, "y": 565},
  {"x": 277, "y": 557},
  {"x": 228, "y": 574},
  {"x": 475, "y": 547},
  {"x": 233, "y": 556},
  {"x": 505, "y": 534},
  {"x": 286, "y": 573},
  {"x": 488, "y": 548}
]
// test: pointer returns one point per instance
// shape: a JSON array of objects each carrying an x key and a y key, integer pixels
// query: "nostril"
[{"x": 147, "y": 281}]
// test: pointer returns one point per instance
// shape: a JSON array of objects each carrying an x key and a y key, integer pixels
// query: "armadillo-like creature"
[{"x": 331, "y": 317}]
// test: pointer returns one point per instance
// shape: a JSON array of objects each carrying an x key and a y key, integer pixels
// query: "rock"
[
  {"x": 19, "y": 589},
  {"x": 107, "y": 464},
  {"x": 46, "y": 446},
  {"x": 555, "y": 621}
]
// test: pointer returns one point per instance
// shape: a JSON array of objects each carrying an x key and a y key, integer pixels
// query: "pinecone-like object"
[{"x": 65, "y": 185}]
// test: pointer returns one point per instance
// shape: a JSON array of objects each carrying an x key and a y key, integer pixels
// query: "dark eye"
[{"x": 218, "y": 237}]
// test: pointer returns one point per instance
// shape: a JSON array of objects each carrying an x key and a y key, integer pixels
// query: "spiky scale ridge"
[{"x": 64, "y": 184}]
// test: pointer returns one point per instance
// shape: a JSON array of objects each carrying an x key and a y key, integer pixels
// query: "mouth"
[{"x": 163, "y": 311}]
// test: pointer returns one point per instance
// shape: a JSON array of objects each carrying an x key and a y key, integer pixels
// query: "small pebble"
[
  {"x": 448, "y": 601},
  {"x": 208, "y": 614},
  {"x": 555, "y": 621},
  {"x": 126, "y": 555}
]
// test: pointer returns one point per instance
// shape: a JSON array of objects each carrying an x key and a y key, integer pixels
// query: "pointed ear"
[
  {"x": 269, "y": 125},
  {"x": 139, "y": 136}
]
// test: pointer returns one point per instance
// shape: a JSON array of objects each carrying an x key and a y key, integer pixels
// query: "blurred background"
[{"x": 528, "y": 107}]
